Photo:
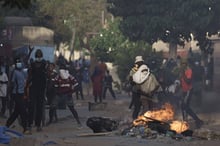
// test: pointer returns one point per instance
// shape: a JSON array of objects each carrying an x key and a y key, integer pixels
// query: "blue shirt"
[
  {"x": 18, "y": 81},
  {"x": 86, "y": 76}
]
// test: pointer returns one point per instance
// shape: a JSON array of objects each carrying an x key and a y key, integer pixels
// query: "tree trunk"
[
  {"x": 72, "y": 45},
  {"x": 172, "y": 50},
  {"x": 93, "y": 59}
]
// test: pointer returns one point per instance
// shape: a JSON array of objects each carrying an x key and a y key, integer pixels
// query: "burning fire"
[
  {"x": 179, "y": 126},
  {"x": 165, "y": 114}
]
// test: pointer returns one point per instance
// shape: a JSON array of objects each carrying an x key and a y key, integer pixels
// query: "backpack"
[
  {"x": 145, "y": 81},
  {"x": 149, "y": 85},
  {"x": 141, "y": 74}
]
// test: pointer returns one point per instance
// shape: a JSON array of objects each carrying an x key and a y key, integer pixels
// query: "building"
[{"x": 19, "y": 32}]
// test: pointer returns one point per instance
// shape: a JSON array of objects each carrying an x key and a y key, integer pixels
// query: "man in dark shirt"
[
  {"x": 108, "y": 85},
  {"x": 37, "y": 78},
  {"x": 198, "y": 78}
]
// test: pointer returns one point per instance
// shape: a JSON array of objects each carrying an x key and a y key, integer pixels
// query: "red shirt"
[
  {"x": 103, "y": 67},
  {"x": 65, "y": 86},
  {"x": 187, "y": 75}
]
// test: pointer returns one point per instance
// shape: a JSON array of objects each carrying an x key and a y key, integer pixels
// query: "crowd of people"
[
  {"x": 175, "y": 80},
  {"x": 29, "y": 86}
]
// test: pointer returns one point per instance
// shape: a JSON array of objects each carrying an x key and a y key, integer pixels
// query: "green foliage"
[
  {"x": 52, "y": 15},
  {"x": 169, "y": 20},
  {"x": 21, "y": 4},
  {"x": 114, "y": 47},
  {"x": 125, "y": 57},
  {"x": 107, "y": 42},
  {"x": 17, "y": 8},
  {"x": 64, "y": 16}
]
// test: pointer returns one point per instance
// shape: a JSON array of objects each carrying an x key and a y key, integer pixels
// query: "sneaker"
[
  {"x": 79, "y": 126},
  {"x": 27, "y": 132}
]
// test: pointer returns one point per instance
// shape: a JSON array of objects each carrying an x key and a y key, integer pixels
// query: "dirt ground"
[{"x": 66, "y": 132}]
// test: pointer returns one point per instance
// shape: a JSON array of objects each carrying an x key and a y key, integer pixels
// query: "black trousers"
[
  {"x": 20, "y": 109},
  {"x": 110, "y": 90},
  {"x": 136, "y": 103},
  {"x": 4, "y": 104},
  {"x": 36, "y": 107},
  {"x": 185, "y": 106},
  {"x": 52, "y": 106},
  {"x": 79, "y": 91}
]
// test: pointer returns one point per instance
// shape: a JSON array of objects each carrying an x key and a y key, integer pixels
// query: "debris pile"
[
  {"x": 149, "y": 133},
  {"x": 153, "y": 133},
  {"x": 161, "y": 123}
]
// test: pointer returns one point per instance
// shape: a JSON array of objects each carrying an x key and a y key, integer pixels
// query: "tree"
[
  {"x": 53, "y": 15},
  {"x": 172, "y": 21},
  {"x": 112, "y": 46},
  {"x": 107, "y": 41},
  {"x": 72, "y": 18},
  {"x": 21, "y": 4}
]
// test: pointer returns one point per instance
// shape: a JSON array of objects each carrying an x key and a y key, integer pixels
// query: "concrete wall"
[
  {"x": 216, "y": 56},
  {"x": 181, "y": 50},
  {"x": 31, "y": 35}
]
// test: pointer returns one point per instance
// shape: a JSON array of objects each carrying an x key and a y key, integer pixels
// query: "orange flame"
[
  {"x": 179, "y": 126},
  {"x": 164, "y": 114}
]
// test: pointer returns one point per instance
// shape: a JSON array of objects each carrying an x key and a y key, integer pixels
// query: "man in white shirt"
[{"x": 3, "y": 91}]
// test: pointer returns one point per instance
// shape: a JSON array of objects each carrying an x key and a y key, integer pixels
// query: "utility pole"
[
  {"x": 103, "y": 19},
  {"x": 72, "y": 44}
]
